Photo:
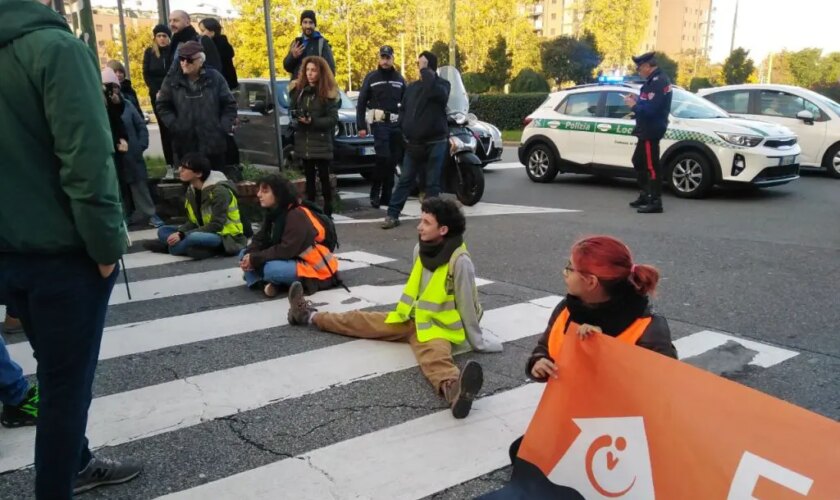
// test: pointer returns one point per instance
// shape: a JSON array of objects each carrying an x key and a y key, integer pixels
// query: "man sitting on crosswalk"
[
  {"x": 213, "y": 226},
  {"x": 439, "y": 307}
]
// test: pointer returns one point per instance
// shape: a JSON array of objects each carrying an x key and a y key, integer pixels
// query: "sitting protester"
[
  {"x": 289, "y": 245},
  {"x": 20, "y": 400},
  {"x": 439, "y": 307},
  {"x": 213, "y": 224}
]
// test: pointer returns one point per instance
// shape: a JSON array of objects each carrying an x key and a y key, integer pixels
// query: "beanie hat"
[
  {"x": 433, "y": 60},
  {"x": 308, "y": 14},
  {"x": 162, "y": 28},
  {"x": 108, "y": 76}
]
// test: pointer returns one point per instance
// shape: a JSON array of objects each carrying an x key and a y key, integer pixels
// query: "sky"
[{"x": 766, "y": 26}]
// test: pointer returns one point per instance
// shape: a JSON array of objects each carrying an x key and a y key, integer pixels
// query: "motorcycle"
[{"x": 462, "y": 172}]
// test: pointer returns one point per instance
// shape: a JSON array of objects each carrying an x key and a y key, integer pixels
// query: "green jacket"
[
  {"x": 314, "y": 141},
  {"x": 216, "y": 195},
  {"x": 58, "y": 184}
]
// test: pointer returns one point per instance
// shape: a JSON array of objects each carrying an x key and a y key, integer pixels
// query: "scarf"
[
  {"x": 432, "y": 256},
  {"x": 275, "y": 224},
  {"x": 613, "y": 316}
]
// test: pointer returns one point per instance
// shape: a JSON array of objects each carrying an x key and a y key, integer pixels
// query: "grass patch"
[
  {"x": 156, "y": 166},
  {"x": 511, "y": 135}
]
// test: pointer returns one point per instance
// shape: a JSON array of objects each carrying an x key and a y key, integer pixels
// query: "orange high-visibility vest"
[
  {"x": 559, "y": 330},
  {"x": 317, "y": 261}
]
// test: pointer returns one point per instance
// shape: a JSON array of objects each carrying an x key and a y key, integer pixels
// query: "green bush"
[
  {"x": 506, "y": 111},
  {"x": 831, "y": 90},
  {"x": 476, "y": 83},
  {"x": 698, "y": 83},
  {"x": 529, "y": 81}
]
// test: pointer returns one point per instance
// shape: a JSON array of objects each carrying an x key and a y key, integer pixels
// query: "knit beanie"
[
  {"x": 108, "y": 76},
  {"x": 433, "y": 60},
  {"x": 162, "y": 28},
  {"x": 308, "y": 14}
]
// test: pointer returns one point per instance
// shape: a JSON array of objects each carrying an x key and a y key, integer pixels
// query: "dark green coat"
[{"x": 315, "y": 140}]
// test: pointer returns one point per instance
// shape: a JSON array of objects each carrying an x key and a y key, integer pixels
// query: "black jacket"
[
  {"x": 198, "y": 120},
  {"x": 190, "y": 34},
  {"x": 657, "y": 337},
  {"x": 155, "y": 69},
  {"x": 423, "y": 109},
  {"x": 315, "y": 140},
  {"x": 653, "y": 107},
  {"x": 129, "y": 93},
  {"x": 311, "y": 45},
  {"x": 381, "y": 90},
  {"x": 226, "y": 54}
]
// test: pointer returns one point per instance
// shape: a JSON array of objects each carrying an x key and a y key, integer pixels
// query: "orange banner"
[{"x": 624, "y": 422}]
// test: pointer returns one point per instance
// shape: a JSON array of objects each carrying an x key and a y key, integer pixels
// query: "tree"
[
  {"x": 567, "y": 59},
  {"x": 805, "y": 66},
  {"x": 498, "y": 65},
  {"x": 667, "y": 65},
  {"x": 738, "y": 67},
  {"x": 618, "y": 27},
  {"x": 476, "y": 83},
  {"x": 830, "y": 69},
  {"x": 441, "y": 50},
  {"x": 528, "y": 81}
]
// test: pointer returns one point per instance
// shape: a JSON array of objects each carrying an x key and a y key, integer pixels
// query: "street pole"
[
  {"x": 734, "y": 27},
  {"x": 86, "y": 24},
  {"x": 163, "y": 12},
  {"x": 452, "y": 51},
  {"x": 123, "y": 39},
  {"x": 402, "y": 53},
  {"x": 269, "y": 38},
  {"x": 770, "y": 69},
  {"x": 349, "y": 55}
]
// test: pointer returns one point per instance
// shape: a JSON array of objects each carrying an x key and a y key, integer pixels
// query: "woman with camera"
[{"x": 314, "y": 103}]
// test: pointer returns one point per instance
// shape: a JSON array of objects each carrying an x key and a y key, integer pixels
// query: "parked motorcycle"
[{"x": 462, "y": 172}]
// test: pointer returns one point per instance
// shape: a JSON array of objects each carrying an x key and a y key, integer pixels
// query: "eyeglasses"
[
  {"x": 187, "y": 60},
  {"x": 569, "y": 269}
]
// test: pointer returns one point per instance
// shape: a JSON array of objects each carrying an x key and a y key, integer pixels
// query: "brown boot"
[
  {"x": 461, "y": 393},
  {"x": 12, "y": 325}
]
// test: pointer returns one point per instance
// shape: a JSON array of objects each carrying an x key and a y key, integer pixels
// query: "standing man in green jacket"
[{"x": 61, "y": 231}]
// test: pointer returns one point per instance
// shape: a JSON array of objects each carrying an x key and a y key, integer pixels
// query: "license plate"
[
  {"x": 788, "y": 160},
  {"x": 368, "y": 151}
]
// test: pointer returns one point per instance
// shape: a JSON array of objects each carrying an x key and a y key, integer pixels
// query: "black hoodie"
[
  {"x": 423, "y": 109},
  {"x": 189, "y": 34},
  {"x": 226, "y": 54}
]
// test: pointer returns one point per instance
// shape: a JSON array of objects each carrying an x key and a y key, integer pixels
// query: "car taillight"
[{"x": 527, "y": 121}]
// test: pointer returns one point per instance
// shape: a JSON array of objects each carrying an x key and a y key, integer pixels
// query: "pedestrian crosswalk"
[{"x": 310, "y": 415}]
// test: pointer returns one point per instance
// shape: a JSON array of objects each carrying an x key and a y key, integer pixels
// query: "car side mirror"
[
  {"x": 259, "y": 107},
  {"x": 806, "y": 116}
]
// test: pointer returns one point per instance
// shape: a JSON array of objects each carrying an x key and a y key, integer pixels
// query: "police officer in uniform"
[
  {"x": 378, "y": 103},
  {"x": 652, "y": 108}
]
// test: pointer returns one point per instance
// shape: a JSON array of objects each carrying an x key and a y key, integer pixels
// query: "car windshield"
[
  {"x": 283, "y": 96},
  {"x": 458, "y": 100},
  {"x": 689, "y": 106},
  {"x": 830, "y": 103}
]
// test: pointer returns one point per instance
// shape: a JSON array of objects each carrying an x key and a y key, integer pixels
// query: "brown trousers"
[{"x": 434, "y": 356}]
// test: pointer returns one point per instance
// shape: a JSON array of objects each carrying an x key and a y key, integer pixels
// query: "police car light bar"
[{"x": 610, "y": 79}]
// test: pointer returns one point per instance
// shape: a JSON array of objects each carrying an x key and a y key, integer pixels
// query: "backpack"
[{"x": 330, "y": 239}]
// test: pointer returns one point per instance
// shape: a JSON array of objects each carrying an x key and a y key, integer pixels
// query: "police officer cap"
[
  {"x": 647, "y": 57},
  {"x": 386, "y": 50}
]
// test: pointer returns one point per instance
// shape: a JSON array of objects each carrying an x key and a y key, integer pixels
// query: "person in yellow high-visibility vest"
[{"x": 438, "y": 307}]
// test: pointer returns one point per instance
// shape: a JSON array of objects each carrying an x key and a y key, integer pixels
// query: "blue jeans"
[
  {"x": 428, "y": 160},
  {"x": 61, "y": 300},
  {"x": 278, "y": 272},
  {"x": 13, "y": 386},
  {"x": 195, "y": 239}
]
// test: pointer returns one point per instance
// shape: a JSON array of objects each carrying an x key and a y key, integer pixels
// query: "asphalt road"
[{"x": 758, "y": 265}]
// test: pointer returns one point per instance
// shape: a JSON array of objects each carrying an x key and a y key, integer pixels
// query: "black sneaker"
[
  {"x": 25, "y": 413},
  {"x": 641, "y": 200},
  {"x": 156, "y": 246},
  {"x": 469, "y": 383},
  {"x": 201, "y": 253},
  {"x": 102, "y": 471},
  {"x": 652, "y": 207}
]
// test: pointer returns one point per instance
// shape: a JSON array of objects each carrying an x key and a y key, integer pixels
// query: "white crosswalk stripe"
[{"x": 408, "y": 458}]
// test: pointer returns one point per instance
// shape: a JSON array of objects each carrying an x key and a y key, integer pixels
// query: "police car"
[{"x": 588, "y": 130}]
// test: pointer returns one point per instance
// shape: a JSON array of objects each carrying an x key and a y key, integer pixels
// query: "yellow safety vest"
[
  {"x": 233, "y": 224},
  {"x": 435, "y": 313}
]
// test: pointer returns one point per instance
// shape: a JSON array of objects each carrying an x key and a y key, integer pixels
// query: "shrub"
[
  {"x": 528, "y": 81},
  {"x": 476, "y": 83},
  {"x": 506, "y": 111}
]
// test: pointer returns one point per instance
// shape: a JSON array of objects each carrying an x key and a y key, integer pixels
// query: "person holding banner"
[{"x": 606, "y": 293}]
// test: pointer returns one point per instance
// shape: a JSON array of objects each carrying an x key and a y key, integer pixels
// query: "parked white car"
[
  {"x": 813, "y": 117},
  {"x": 588, "y": 130}
]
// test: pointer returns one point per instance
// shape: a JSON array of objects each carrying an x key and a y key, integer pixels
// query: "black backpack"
[{"x": 330, "y": 234}]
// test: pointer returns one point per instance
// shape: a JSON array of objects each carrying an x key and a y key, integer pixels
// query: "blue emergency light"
[{"x": 610, "y": 79}]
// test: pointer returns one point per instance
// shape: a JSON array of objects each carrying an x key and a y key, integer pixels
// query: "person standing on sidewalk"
[
  {"x": 426, "y": 132},
  {"x": 155, "y": 67},
  {"x": 310, "y": 43},
  {"x": 439, "y": 307},
  {"x": 59, "y": 252},
  {"x": 652, "y": 109},
  {"x": 381, "y": 94},
  {"x": 313, "y": 105}
]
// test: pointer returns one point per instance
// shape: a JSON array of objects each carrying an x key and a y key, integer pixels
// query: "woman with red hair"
[{"x": 608, "y": 294}]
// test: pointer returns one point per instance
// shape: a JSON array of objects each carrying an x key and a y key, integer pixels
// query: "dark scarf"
[
  {"x": 185, "y": 35},
  {"x": 275, "y": 224},
  {"x": 432, "y": 256},
  {"x": 613, "y": 316}
]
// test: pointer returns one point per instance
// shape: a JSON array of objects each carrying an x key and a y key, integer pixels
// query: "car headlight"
[
  {"x": 456, "y": 145},
  {"x": 748, "y": 141}
]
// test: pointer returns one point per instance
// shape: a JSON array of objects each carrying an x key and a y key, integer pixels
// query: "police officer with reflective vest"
[
  {"x": 652, "y": 108},
  {"x": 378, "y": 104}
]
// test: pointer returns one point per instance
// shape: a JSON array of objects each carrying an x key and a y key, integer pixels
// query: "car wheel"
[
  {"x": 690, "y": 175},
  {"x": 831, "y": 162},
  {"x": 542, "y": 164}
]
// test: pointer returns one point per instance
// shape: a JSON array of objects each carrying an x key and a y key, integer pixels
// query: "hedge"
[{"x": 506, "y": 111}]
